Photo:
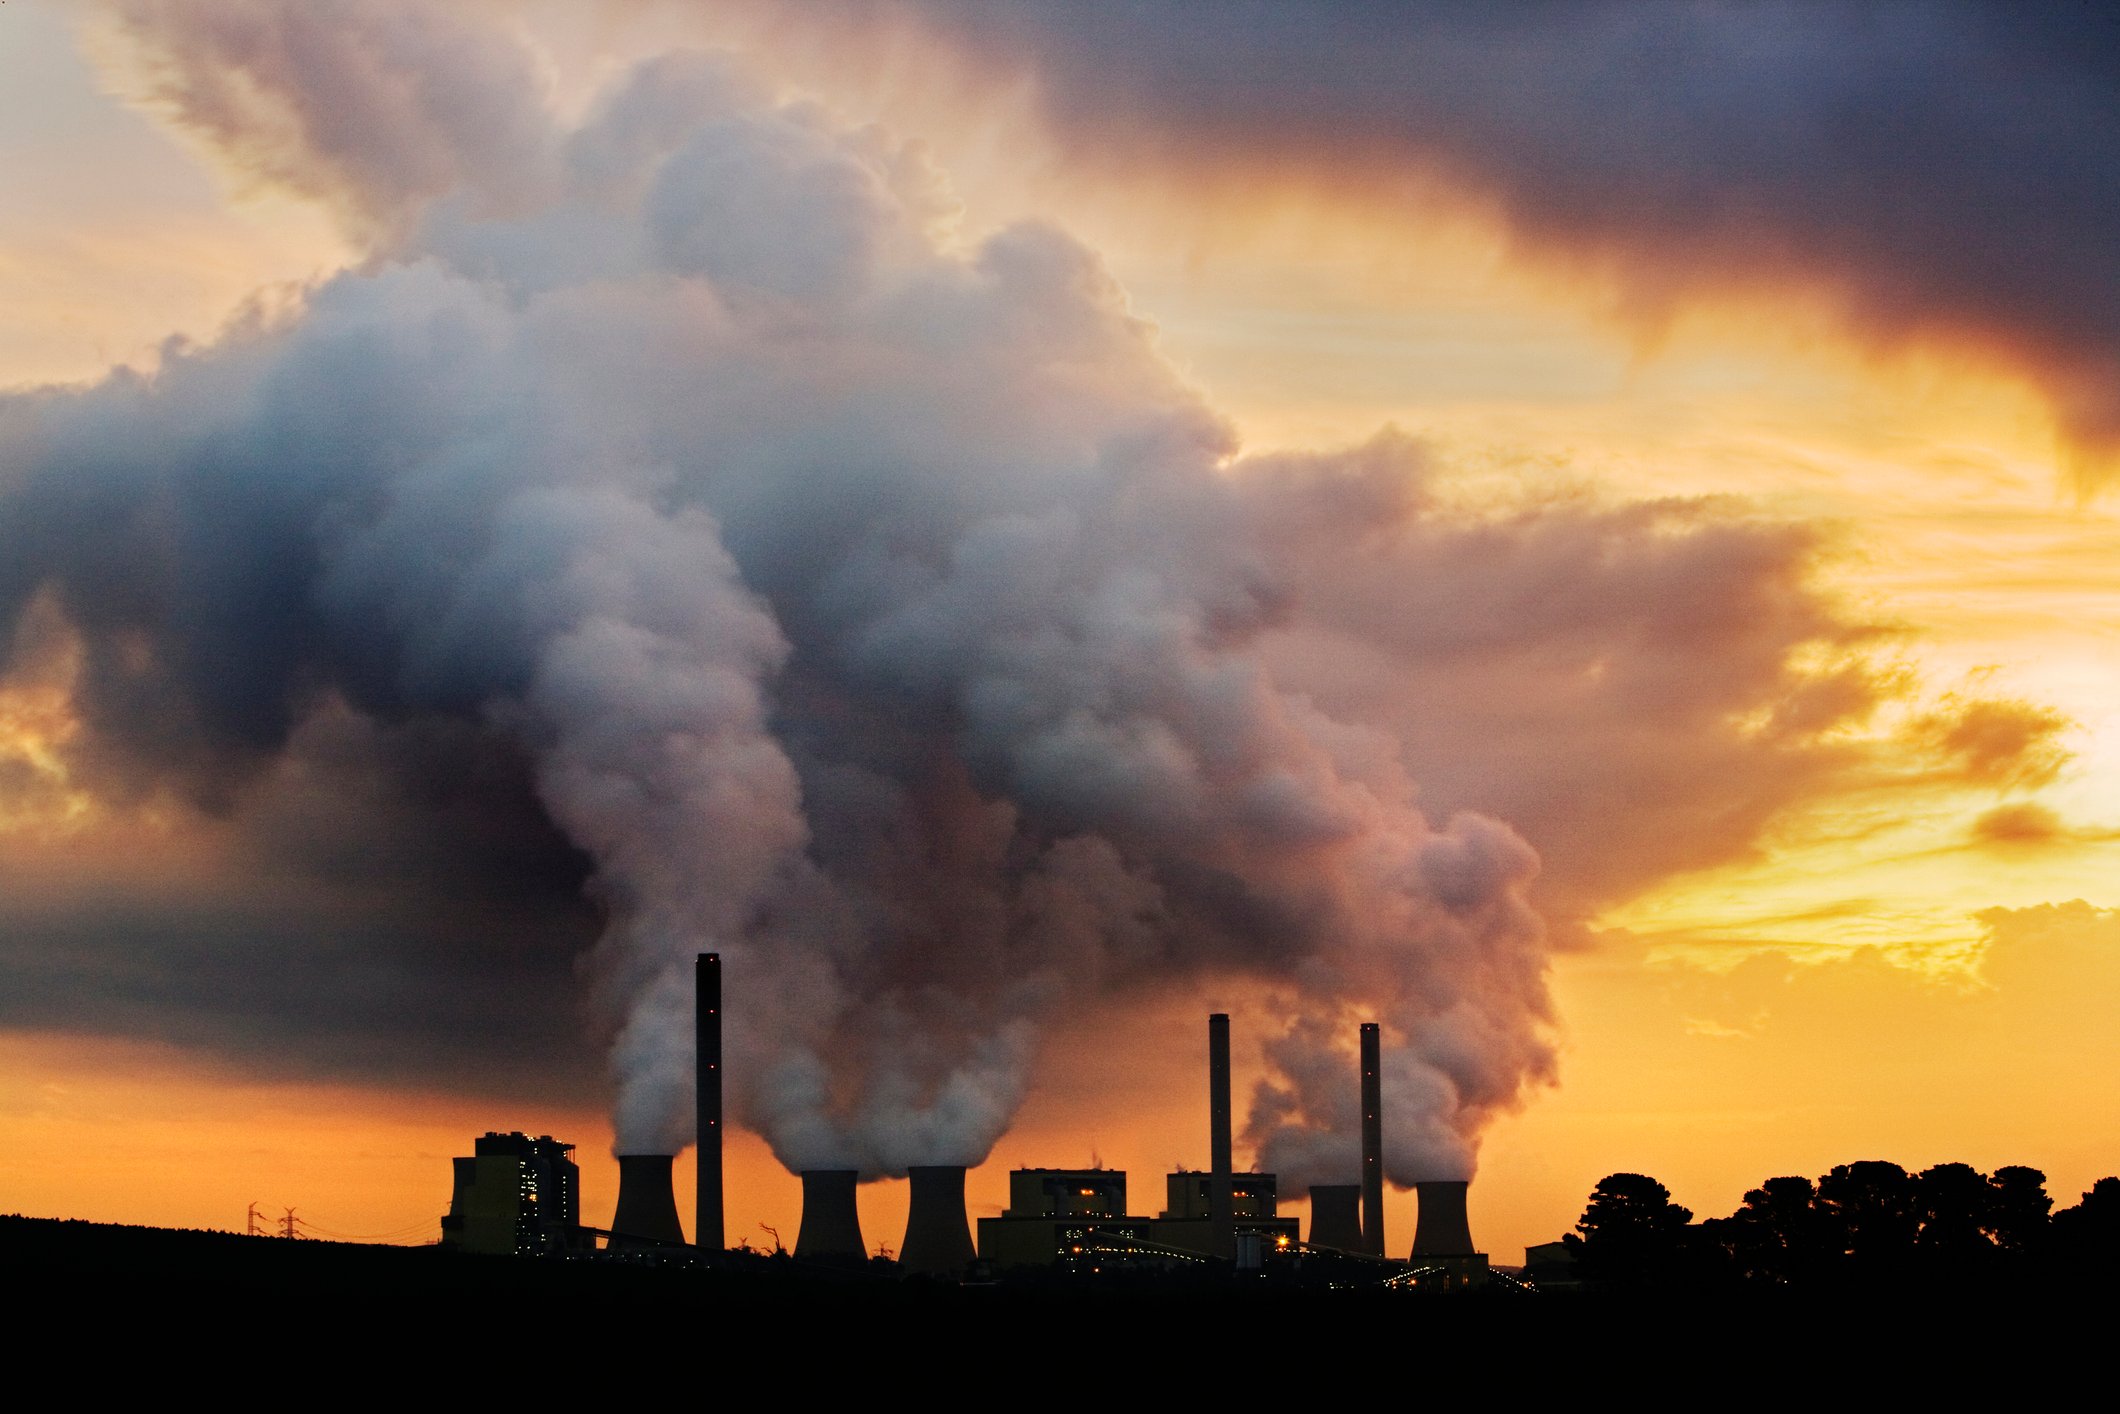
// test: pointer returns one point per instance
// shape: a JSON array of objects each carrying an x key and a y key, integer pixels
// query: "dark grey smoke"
[
  {"x": 883, "y": 613},
  {"x": 1946, "y": 168}
]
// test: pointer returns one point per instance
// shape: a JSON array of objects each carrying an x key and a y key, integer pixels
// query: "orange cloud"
[
  {"x": 1994, "y": 741},
  {"x": 2021, "y": 824},
  {"x": 1893, "y": 165}
]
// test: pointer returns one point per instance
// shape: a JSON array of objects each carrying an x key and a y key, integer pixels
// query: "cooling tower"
[
  {"x": 1440, "y": 1229},
  {"x": 938, "y": 1236},
  {"x": 1372, "y": 1142},
  {"x": 1336, "y": 1216},
  {"x": 1221, "y": 1211},
  {"x": 647, "y": 1203},
  {"x": 707, "y": 1224},
  {"x": 831, "y": 1223}
]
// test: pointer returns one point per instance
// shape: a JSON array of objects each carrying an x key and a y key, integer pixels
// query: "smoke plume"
[{"x": 871, "y": 604}]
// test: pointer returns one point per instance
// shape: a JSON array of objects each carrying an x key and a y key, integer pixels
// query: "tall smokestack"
[
  {"x": 1222, "y": 1229},
  {"x": 938, "y": 1236},
  {"x": 1372, "y": 1141},
  {"x": 707, "y": 1220},
  {"x": 1441, "y": 1229},
  {"x": 647, "y": 1203},
  {"x": 831, "y": 1222},
  {"x": 1336, "y": 1216}
]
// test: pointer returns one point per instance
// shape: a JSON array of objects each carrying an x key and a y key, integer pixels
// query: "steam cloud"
[{"x": 877, "y": 609}]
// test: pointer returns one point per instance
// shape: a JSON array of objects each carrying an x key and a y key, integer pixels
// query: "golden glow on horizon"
[
  {"x": 1711, "y": 1083},
  {"x": 1843, "y": 992}
]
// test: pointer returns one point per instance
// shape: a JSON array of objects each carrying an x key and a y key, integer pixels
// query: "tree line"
[{"x": 1862, "y": 1222}]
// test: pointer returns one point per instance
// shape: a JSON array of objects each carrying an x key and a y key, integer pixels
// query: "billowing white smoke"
[{"x": 881, "y": 612}]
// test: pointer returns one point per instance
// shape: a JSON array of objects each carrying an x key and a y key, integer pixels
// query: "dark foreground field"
[{"x": 172, "y": 1301}]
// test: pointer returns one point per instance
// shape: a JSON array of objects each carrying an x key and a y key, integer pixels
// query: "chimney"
[
  {"x": 647, "y": 1203},
  {"x": 1441, "y": 1230},
  {"x": 707, "y": 1223},
  {"x": 831, "y": 1223},
  {"x": 1222, "y": 1228},
  {"x": 1336, "y": 1216},
  {"x": 938, "y": 1237},
  {"x": 1372, "y": 1142}
]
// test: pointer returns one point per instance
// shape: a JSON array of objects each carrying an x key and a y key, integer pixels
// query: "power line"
[
  {"x": 423, "y": 1225},
  {"x": 293, "y": 1225}
]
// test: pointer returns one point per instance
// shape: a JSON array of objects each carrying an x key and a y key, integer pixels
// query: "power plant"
[
  {"x": 706, "y": 1052},
  {"x": 1336, "y": 1216},
  {"x": 515, "y": 1194},
  {"x": 1442, "y": 1236},
  {"x": 1060, "y": 1217},
  {"x": 938, "y": 1239},
  {"x": 1372, "y": 1141},
  {"x": 1222, "y": 1230},
  {"x": 647, "y": 1203},
  {"x": 831, "y": 1221},
  {"x": 522, "y": 1195}
]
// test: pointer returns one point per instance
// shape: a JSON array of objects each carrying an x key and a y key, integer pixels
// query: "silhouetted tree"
[
  {"x": 1631, "y": 1231},
  {"x": 2018, "y": 1211},
  {"x": 1873, "y": 1212},
  {"x": 2086, "y": 1237},
  {"x": 1778, "y": 1235},
  {"x": 1955, "y": 1205},
  {"x": 1866, "y": 1222}
]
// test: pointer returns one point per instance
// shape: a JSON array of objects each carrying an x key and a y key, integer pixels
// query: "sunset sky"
[{"x": 1675, "y": 442}]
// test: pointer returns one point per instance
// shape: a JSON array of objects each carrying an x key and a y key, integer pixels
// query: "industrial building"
[
  {"x": 1078, "y": 1218},
  {"x": 831, "y": 1220},
  {"x": 1442, "y": 1237},
  {"x": 938, "y": 1240},
  {"x": 1336, "y": 1217},
  {"x": 1059, "y": 1217},
  {"x": 1187, "y": 1221},
  {"x": 515, "y": 1194},
  {"x": 647, "y": 1203},
  {"x": 518, "y": 1194}
]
